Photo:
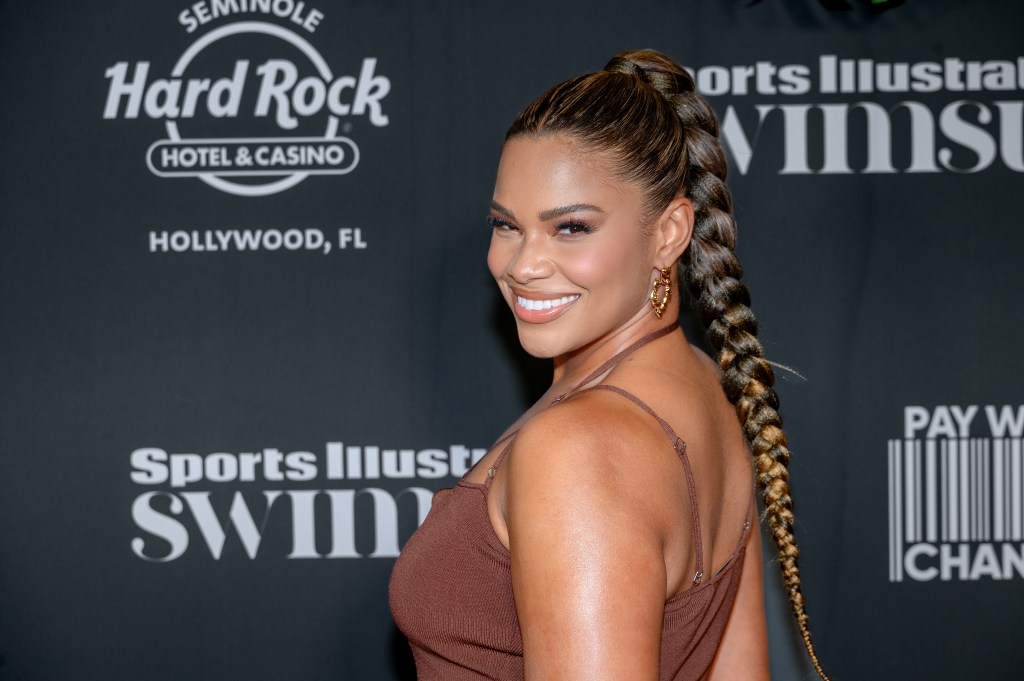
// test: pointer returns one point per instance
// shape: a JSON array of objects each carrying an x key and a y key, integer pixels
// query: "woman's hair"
[{"x": 643, "y": 109}]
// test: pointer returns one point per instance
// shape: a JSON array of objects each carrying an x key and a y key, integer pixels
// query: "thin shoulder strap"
[
  {"x": 617, "y": 357},
  {"x": 680, "y": 447},
  {"x": 510, "y": 438},
  {"x": 593, "y": 375}
]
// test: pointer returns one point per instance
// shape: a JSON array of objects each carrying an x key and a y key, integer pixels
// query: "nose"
[{"x": 531, "y": 259}]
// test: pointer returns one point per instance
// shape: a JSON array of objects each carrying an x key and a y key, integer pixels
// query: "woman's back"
[
  {"x": 681, "y": 385},
  {"x": 634, "y": 468}
]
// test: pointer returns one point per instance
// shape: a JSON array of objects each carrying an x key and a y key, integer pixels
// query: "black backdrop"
[{"x": 217, "y": 431}]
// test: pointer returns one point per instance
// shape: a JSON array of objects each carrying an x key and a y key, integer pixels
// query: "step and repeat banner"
[{"x": 248, "y": 330}]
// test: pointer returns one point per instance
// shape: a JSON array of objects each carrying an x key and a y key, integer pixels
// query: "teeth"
[{"x": 544, "y": 304}]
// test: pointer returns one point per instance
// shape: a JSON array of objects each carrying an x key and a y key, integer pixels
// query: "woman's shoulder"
[
  {"x": 602, "y": 419},
  {"x": 598, "y": 441}
]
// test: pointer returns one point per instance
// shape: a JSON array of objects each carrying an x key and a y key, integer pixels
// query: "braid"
[
  {"x": 713, "y": 275},
  {"x": 643, "y": 109}
]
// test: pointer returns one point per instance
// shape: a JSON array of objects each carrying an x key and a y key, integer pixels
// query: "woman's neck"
[{"x": 572, "y": 368}]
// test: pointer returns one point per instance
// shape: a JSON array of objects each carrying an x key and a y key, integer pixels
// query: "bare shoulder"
[
  {"x": 586, "y": 536},
  {"x": 598, "y": 440},
  {"x": 601, "y": 471},
  {"x": 706, "y": 359}
]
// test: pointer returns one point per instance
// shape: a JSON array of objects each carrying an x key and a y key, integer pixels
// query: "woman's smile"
[
  {"x": 538, "y": 308},
  {"x": 567, "y": 245}
]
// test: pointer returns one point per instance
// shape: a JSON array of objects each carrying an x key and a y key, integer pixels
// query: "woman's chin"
[{"x": 536, "y": 344}]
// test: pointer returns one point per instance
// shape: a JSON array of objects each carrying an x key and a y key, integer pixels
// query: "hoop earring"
[{"x": 664, "y": 282}]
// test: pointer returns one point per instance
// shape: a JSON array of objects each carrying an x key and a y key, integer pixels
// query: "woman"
[{"x": 592, "y": 541}]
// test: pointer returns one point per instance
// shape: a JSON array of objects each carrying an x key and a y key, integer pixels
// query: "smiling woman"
[
  {"x": 605, "y": 534},
  {"x": 576, "y": 238}
]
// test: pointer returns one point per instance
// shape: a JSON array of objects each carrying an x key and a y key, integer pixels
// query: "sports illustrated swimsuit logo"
[
  {"x": 339, "y": 503},
  {"x": 287, "y": 99},
  {"x": 843, "y": 115},
  {"x": 956, "y": 496}
]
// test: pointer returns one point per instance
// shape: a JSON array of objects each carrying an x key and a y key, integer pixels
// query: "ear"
[{"x": 672, "y": 232}]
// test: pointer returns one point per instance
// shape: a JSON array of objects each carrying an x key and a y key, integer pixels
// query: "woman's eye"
[
  {"x": 499, "y": 224},
  {"x": 575, "y": 228}
]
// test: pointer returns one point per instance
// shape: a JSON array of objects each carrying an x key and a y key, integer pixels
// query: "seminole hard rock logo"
[{"x": 251, "y": 107}]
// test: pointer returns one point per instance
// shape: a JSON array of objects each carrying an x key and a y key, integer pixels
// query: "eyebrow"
[{"x": 551, "y": 213}]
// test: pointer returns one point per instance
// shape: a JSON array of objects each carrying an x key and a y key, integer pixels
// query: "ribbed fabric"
[
  {"x": 451, "y": 595},
  {"x": 451, "y": 587}
]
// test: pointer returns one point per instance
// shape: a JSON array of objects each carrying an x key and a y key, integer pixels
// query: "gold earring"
[{"x": 663, "y": 282}]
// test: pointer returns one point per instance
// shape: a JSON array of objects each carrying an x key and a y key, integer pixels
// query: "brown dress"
[{"x": 451, "y": 588}]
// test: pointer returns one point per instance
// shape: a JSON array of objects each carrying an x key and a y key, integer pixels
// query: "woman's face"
[{"x": 568, "y": 250}]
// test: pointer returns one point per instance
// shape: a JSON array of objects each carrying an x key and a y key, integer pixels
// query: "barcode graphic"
[{"x": 953, "y": 491}]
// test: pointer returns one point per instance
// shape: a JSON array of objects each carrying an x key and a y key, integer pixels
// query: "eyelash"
[
  {"x": 575, "y": 227},
  {"x": 497, "y": 223}
]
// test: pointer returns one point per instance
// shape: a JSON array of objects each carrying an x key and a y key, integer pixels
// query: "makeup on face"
[{"x": 566, "y": 248}]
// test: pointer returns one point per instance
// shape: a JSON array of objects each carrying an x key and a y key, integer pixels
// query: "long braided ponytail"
[{"x": 643, "y": 107}]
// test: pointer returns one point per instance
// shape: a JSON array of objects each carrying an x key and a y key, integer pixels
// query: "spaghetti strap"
[
  {"x": 593, "y": 375},
  {"x": 497, "y": 460},
  {"x": 509, "y": 437},
  {"x": 617, "y": 357},
  {"x": 691, "y": 487}
]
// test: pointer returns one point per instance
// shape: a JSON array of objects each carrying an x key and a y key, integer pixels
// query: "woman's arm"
[{"x": 586, "y": 519}]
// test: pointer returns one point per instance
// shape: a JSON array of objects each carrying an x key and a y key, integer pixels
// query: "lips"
[
  {"x": 541, "y": 307},
  {"x": 532, "y": 304}
]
